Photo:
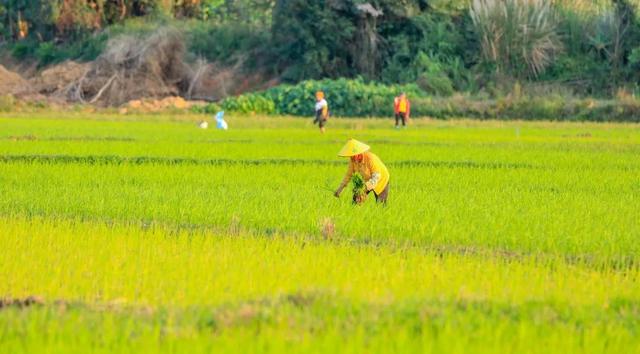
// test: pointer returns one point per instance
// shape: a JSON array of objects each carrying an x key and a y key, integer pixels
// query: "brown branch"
[{"x": 99, "y": 94}]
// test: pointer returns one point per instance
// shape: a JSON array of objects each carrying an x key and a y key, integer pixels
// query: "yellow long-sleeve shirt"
[{"x": 373, "y": 171}]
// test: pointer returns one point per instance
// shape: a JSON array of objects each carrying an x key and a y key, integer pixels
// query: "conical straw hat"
[{"x": 353, "y": 147}]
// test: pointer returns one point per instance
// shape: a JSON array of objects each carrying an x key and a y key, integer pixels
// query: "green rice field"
[{"x": 146, "y": 234}]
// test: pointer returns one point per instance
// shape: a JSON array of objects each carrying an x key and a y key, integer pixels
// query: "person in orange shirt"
[
  {"x": 369, "y": 166},
  {"x": 402, "y": 109}
]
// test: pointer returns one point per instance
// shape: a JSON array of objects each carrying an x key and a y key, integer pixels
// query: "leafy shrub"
[
  {"x": 249, "y": 103},
  {"x": 24, "y": 49},
  {"x": 211, "y": 108},
  {"x": 85, "y": 49},
  {"x": 226, "y": 43},
  {"x": 431, "y": 49},
  {"x": 48, "y": 53},
  {"x": 436, "y": 83},
  {"x": 350, "y": 98}
]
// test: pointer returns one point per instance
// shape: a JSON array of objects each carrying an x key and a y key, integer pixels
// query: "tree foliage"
[
  {"x": 391, "y": 41},
  {"x": 66, "y": 18},
  {"x": 442, "y": 46}
]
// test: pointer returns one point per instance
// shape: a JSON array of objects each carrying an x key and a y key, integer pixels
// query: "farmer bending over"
[
  {"x": 373, "y": 171},
  {"x": 322, "y": 111}
]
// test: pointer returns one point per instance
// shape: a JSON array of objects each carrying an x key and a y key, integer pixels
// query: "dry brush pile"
[
  {"x": 133, "y": 68},
  {"x": 130, "y": 68}
]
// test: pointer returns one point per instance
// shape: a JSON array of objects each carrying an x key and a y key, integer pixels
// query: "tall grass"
[{"x": 517, "y": 36}]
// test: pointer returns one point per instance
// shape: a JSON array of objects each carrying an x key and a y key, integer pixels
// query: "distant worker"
[
  {"x": 369, "y": 166},
  {"x": 220, "y": 122},
  {"x": 402, "y": 109},
  {"x": 322, "y": 111}
]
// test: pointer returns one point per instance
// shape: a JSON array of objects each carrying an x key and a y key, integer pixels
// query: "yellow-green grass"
[
  {"x": 147, "y": 234},
  {"x": 154, "y": 266},
  {"x": 121, "y": 288}
]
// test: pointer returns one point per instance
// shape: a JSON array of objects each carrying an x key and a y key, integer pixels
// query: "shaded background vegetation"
[{"x": 476, "y": 46}]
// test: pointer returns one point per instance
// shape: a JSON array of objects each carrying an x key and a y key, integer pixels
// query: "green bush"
[
  {"x": 430, "y": 49},
  {"x": 24, "y": 49},
  {"x": 45, "y": 53},
  {"x": 211, "y": 108},
  {"x": 249, "y": 103},
  {"x": 356, "y": 98},
  {"x": 226, "y": 43},
  {"x": 348, "y": 98},
  {"x": 435, "y": 83}
]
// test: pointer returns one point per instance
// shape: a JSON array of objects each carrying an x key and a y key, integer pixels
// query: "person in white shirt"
[{"x": 322, "y": 111}]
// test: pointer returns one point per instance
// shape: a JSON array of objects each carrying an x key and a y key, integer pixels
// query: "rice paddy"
[{"x": 129, "y": 234}]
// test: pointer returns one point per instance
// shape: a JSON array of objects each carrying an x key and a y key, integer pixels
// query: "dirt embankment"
[
  {"x": 44, "y": 86},
  {"x": 12, "y": 83}
]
